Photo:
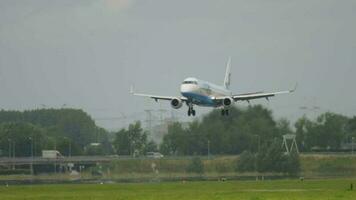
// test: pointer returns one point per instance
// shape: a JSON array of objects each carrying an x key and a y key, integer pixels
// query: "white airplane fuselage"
[{"x": 202, "y": 93}]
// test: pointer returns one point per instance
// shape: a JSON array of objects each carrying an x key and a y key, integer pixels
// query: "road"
[{"x": 62, "y": 160}]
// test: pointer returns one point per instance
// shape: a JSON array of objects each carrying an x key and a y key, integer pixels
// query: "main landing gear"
[
  {"x": 191, "y": 111},
  {"x": 224, "y": 112}
]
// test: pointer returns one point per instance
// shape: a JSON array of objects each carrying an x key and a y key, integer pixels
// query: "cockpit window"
[{"x": 190, "y": 82}]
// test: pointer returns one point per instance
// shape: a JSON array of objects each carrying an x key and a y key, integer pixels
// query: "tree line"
[
  {"x": 249, "y": 129},
  {"x": 70, "y": 131}
]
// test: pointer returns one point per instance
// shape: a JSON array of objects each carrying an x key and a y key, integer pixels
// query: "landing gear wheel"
[
  {"x": 224, "y": 112},
  {"x": 191, "y": 111}
]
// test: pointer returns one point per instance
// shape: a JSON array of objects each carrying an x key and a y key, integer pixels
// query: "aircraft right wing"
[{"x": 157, "y": 97}]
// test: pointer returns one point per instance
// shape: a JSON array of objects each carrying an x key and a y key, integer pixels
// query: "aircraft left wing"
[{"x": 259, "y": 95}]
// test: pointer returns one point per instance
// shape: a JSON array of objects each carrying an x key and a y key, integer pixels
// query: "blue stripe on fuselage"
[{"x": 199, "y": 99}]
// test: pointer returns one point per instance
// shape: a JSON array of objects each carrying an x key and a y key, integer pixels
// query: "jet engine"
[
  {"x": 228, "y": 101},
  {"x": 176, "y": 103}
]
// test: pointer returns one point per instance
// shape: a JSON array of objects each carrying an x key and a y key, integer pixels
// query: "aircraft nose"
[{"x": 185, "y": 88}]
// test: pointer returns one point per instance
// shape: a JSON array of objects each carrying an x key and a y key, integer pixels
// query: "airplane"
[{"x": 202, "y": 93}]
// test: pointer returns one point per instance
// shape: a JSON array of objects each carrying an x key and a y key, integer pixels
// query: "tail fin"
[{"x": 227, "y": 74}]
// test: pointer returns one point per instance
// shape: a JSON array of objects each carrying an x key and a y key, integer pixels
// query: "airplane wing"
[
  {"x": 157, "y": 97},
  {"x": 258, "y": 95}
]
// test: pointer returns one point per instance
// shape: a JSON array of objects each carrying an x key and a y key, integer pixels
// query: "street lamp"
[
  {"x": 352, "y": 145},
  {"x": 13, "y": 153},
  {"x": 30, "y": 138},
  {"x": 208, "y": 149},
  {"x": 70, "y": 148},
  {"x": 9, "y": 147},
  {"x": 31, "y": 166},
  {"x": 259, "y": 142},
  {"x": 13, "y": 149}
]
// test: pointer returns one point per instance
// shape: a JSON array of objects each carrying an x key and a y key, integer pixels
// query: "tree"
[
  {"x": 271, "y": 158},
  {"x": 327, "y": 132},
  {"x": 151, "y": 146},
  {"x": 21, "y": 138},
  {"x": 132, "y": 141},
  {"x": 122, "y": 143},
  {"x": 246, "y": 162},
  {"x": 332, "y": 127},
  {"x": 283, "y": 126},
  {"x": 303, "y": 126},
  {"x": 244, "y": 129},
  {"x": 350, "y": 130},
  {"x": 196, "y": 166},
  {"x": 175, "y": 141},
  {"x": 293, "y": 164},
  {"x": 76, "y": 126}
]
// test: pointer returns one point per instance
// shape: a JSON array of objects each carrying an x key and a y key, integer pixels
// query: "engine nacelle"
[
  {"x": 176, "y": 103},
  {"x": 228, "y": 101}
]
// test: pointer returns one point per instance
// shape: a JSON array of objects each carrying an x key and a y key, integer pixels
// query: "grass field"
[{"x": 250, "y": 190}]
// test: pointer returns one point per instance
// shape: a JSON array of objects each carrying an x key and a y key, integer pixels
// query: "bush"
[
  {"x": 221, "y": 167},
  {"x": 196, "y": 166},
  {"x": 14, "y": 172},
  {"x": 273, "y": 159},
  {"x": 246, "y": 162},
  {"x": 270, "y": 158},
  {"x": 293, "y": 164}
]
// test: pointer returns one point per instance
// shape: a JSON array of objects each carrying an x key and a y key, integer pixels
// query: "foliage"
[
  {"x": 51, "y": 129},
  {"x": 271, "y": 158},
  {"x": 246, "y": 162},
  {"x": 133, "y": 141},
  {"x": 243, "y": 130},
  {"x": 248, "y": 129},
  {"x": 19, "y": 136},
  {"x": 327, "y": 132},
  {"x": 196, "y": 166},
  {"x": 151, "y": 146},
  {"x": 293, "y": 167},
  {"x": 174, "y": 142}
]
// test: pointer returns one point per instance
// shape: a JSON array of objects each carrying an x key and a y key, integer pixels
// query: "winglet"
[
  {"x": 295, "y": 88},
  {"x": 227, "y": 74},
  {"x": 132, "y": 89}
]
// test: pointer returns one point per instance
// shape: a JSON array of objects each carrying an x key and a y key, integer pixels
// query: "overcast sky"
[{"x": 87, "y": 53}]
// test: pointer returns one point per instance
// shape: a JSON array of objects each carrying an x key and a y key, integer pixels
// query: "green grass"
[{"x": 249, "y": 190}]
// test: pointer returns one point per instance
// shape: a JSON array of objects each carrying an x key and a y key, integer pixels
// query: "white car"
[{"x": 154, "y": 155}]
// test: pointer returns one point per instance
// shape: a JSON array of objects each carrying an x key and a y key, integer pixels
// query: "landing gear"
[
  {"x": 224, "y": 112},
  {"x": 191, "y": 111}
]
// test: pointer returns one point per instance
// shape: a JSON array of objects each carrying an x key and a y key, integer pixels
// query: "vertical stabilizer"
[{"x": 227, "y": 74}]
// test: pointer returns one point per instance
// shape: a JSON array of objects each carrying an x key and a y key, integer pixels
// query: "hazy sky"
[{"x": 87, "y": 53}]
